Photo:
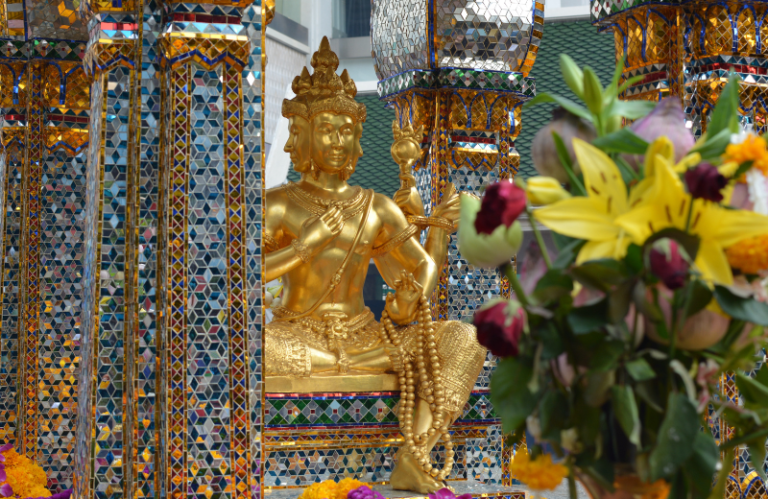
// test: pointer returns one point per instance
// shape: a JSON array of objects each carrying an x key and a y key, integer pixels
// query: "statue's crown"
[{"x": 324, "y": 91}]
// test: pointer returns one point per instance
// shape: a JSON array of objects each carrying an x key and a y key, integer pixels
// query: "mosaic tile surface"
[{"x": 485, "y": 35}]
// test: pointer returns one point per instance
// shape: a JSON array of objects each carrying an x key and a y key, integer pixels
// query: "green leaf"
[
  {"x": 702, "y": 465},
  {"x": 631, "y": 109},
  {"x": 565, "y": 160},
  {"x": 622, "y": 141},
  {"x": 689, "y": 242},
  {"x": 742, "y": 169},
  {"x": 700, "y": 297},
  {"x": 551, "y": 341},
  {"x": 629, "y": 82},
  {"x": 726, "y": 109},
  {"x": 757, "y": 456},
  {"x": 598, "y": 385},
  {"x": 713, "y": 146},
  {"x": 640, "y": 370},
  {"x": 553, "y": 412},
  {"x": 745, "y": 309},
  {"x": 606, "y": 354},
  {"x": 625, "y": 408},
  {"x": 601, "y": 274},
  {"x": 593, "y": 92},
  {"x": 718, "y": 491},
  {"x": 586, "y": 319},
  {"x": 567, "y": 254},
  {"x": 762, "y": 375},
  {"x": 511, "y": 398},
  {"x": 552, "y": 286},
  {"x": 752, "y": 390},
  {"x": 566, "y": 104},
  {"x": 573, "y": 75},
  {"x": 587, "y": 419},
  {"x": 617, "y": 76},
  {"x": 674, "y": 443},
  {"x": 648, "y": 393},
  {"x": 619, "y": 300}
]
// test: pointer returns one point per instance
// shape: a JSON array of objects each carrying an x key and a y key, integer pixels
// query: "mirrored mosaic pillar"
[
  {"x": 119, "y": 415},
  {"x": 649, "y": 37},
  {"x": 465, "y": 89},
  {"x": 45, "y": 117},
  {"x": 171, "y": 370}
]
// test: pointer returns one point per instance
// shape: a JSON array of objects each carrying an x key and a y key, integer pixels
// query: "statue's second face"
[
  {"x": 334, "y": 141},
  {"x": 297, "y": 144}
]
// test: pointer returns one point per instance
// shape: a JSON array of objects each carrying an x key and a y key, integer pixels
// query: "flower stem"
[
  {"x": 539, "y": 238},
  {"x": 511, "y": 274},
  {"x": 572, "y": 493}
]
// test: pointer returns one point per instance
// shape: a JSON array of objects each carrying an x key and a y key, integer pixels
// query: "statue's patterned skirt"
[{"x": 288, "y": 344}]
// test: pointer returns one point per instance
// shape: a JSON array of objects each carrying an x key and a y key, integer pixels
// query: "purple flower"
[
  {"x": 448, "y": 494},
  {"x": 6, "y": 490},
  {"x": 64, "y": 494},
  {"x": 705, "y": 182},
  {"x": 6, "y": 448},
  {"x": 362, "y": 492},
  {"x": 667, "y": 119}
]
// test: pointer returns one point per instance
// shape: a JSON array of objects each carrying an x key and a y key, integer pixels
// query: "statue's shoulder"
[{"x": 277, "y": 194}]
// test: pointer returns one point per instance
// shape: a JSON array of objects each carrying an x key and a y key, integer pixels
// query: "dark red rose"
[
  {"x": 705, "y": 182},
  {"x": 499, "y": 327},
  {"x": 669, "y": 263},
  {"x": 502, "y": 204}
]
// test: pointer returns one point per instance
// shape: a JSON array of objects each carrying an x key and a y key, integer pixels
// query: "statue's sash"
[{"x": 336, "y": 279}]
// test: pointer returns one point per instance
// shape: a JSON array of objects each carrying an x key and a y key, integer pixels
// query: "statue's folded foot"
[{"x": 409, "y": 476}]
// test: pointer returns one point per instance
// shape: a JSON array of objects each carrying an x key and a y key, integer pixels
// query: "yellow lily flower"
[
  {"x": 667, "y": 205},
  {"x": 592, "y": 217},
  {"x": 542, "y": 191}
]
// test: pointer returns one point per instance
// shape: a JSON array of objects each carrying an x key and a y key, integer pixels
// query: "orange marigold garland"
[
  {"x": 20, "y": 476},
  {"x": 753, "y": 148},
  {"x": 539, "y": 473},
  {"x": 749, "y": 255}
]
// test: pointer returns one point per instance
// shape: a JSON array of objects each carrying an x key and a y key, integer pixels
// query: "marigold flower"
[
  {"x": 749, "y": 255},
  {"x": 753, "y": 148},
  {"x": 538, "y": 474},
  {"x": 322, "y": 490}
]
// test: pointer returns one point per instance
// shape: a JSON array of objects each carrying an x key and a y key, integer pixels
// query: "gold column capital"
[{"x": 208, "y": 50}]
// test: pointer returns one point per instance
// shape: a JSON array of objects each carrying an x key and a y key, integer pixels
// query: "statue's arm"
[
  {"x": 280, "y": 257},
  {"x": 291, "y": 250},
  {"x": 409, "y": 256}
]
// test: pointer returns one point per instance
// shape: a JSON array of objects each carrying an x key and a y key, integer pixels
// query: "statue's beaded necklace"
[
  {"x": 317, "y": 206},
  {"x": 435, "y": 394}
]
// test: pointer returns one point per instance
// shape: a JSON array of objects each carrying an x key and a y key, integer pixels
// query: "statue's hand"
[
  {"x": 319, "y": 231},
  {"x": 409, "y": 201},
  {"x": 449, "y": 208},
  {"x": 401, "y": 306}
]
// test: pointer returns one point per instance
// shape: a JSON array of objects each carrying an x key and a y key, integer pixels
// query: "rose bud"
[
  {"x": 666, "y": 119},
  {"x": 669, "y": 262},
  {"x": 542, "y": 191},
  {"x": 543, "y": 151},
  {"x": 499, "y": 326},
  {"x": 502, "y": 203},
  {"x": 705, "y": 182},
  {"x": 483, "y": 250}
]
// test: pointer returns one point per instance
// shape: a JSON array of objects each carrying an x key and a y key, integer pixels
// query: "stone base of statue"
[{"x": 320, "y": 429}]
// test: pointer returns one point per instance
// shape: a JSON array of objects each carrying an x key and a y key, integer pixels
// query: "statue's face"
[
  {"x": 298, "y": 143},
  {"x": 335, "y": 141}
]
